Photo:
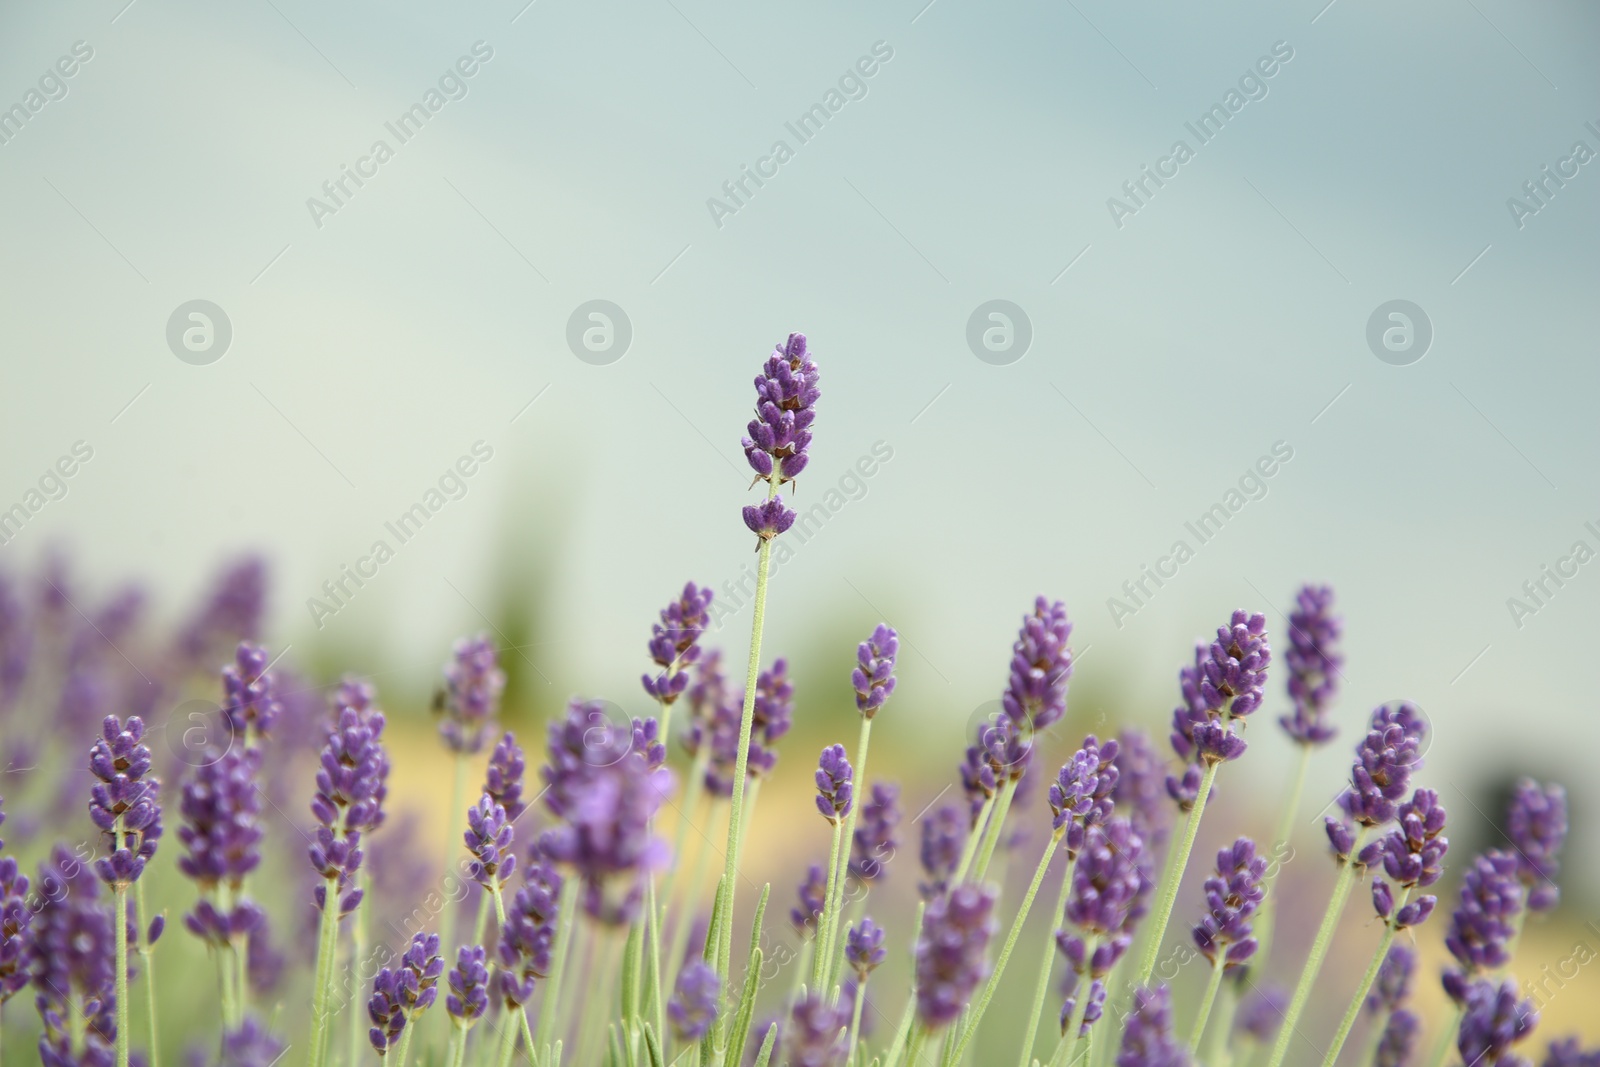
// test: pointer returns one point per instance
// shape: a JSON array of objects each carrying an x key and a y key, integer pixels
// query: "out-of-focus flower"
[
  {"x": 877, "y": 833},
  {"x": 1147, "y": 1039},
  {"x": 1399, "y": 1040},
  {"x": 473, "y": 682},
  {"x": 815, "y": 1034},
  {"x": 1485, "y": 921},
  {"x": 1313, "y": 660},
  {"x": 951, "y": 952},
  {"x": 808, "y": 912},
  {"x": 693, "y": 1007},
  {"x": 944, "y": 834},
  {"x": 1537, "y": 827},
  {"x": 1261, "y": 1012},
  {"x": 1041, "y": 665},
  {"x": 873, "y": 677},
  {"x": 1392, "y": 987},
  {"x": 1494, "y": 1020},
  {"x": 674, "y": 642},
  {"x": 863, "y": 948},
  {"x": 250, "y": 705}
]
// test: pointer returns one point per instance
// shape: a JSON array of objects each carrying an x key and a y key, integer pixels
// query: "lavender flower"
[
  {"x": 647, "y": 742},
  {"x": 815, "y": 1035},
  {"x": 771, "y": 718},
  {"x": 488, "y": 839},
  {"x": 16, "y": 934},
  {"x": 1147, "y": 1039},
  {"x": 786, "y": 397},
  {"x": 708, "y": 700},
  {"x": 125, "y": 804},
  {"x": 249, "y": 704},
  {"x": 1092, "y": 1011},
  {"x": 1224, "y": 684},
  {"x": 473, "y": 682},
  {"x": 1261, "y": 1012},
  {"x": 674, "y": 642},
  {"x": 768, "y": 519},
  {"x": 813, "y": 888},
  {"x": 834, "y": 787},
  {"x": 1567, "y": 1052},
  {"x": 1080, "y": 797},
  {"x": 863, "y": 948},
  {"x": 877, "y": 833},
  {"x": 469, "y": 987},
  {"x": 233, "y": 611},
  {"x": 950, "y": 952},
  {"x": 944, "y": 834},
  {"x": 1106, "y": 885},
  {"x": 1399, "y": 1040},
  {"x": 400, "y": 994},
  {"x": 529, "y": 934},
  {"x": 1485, "y": 922},
  {"x": 693, "y": 1007},
  {"x": 221, "y": 811},
  {"x": 1041, "y": 665},
  {"x": 1494, "y": 1021},
  {"x": 873, "y": 677},
  {"x": 1313, "y": 660},
  {"x": 1537, "y": 827},
  {"x": 1385, "y": 760},
  {"x": 503, "y": 783},
  {"x": 348, "y": 801},
  {"x": 250, "y": 1045},
  {"x": 72, "y": 963},
  {"x": 1412, "y": 856},
  {"x": 1232, "y": 897},
  {"x": 1140, "y": 785},
  {"x": 1392, "y": 987}
]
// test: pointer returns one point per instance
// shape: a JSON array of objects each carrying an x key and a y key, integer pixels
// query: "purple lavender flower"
[
  {"x": 1412, "y": 856},
  {"x": 348, "y": 801},
  {"x": 977, "y": 777},
  {"x": 1485, "y": 922},
  {"x": 708, "y": 701},
  {"x": 674, "y": 642},
  {"x": 16, "y": 935},
  {"x": 873, "y": 677},
  {"x": 768, "y": 519},
  {"x": 1379, "y": 778},
  {"x": 1392, "y": 987},
  {"x": 1092, "y": 1011},
  {"x": 944, "y": 835},
  {"x": 1494, "y": 1021},
  {"x": 863, "y": 948},
  {"x": 1232, "y": 897},
  {"x": 1399, "y": 1040},
  {"x": 1261, "y": 1012},
  {"x": 221, "y": 810},
  {"x": 771, "y": 718},
  {"x": 503, "y": 783},
  {"x": 813, "y": 888},
  {"x": 473, "y": 682},
  {"x": 877, "y": 833},
  {"x": 73, "y": 963},
  {"x": 1568, "y": 1052},
  {"x": 834, "y": 788},
  {"x": 950, "y": 953},
  {"x": 1147, "y": 1039},
  {"x": 469, "y": 987},
  {"x": 647, "y": 742},
  {"x": 786, "y": 397},
  {"x": 693, "y": 1007},
  {"x": 1041, "y": 665},
  {"x": 250, "y": 1045},
  {"x": 1080, "y": 797},
  {"x": 1313, "y": 660},
  {"x": 1537, "y": 827},
  {"x": 233, "y": 611},
  {"x": 529, "y": 934},
  {"x": 125, "y": 805},
  {"x": 1106, "y": 885},
  {"x": 249, "y": 703},
  {"x": 1140, "y": 786},
  {"x": 815, "y": 1035},
  {"x": 400, "y": 994},
  {"x": 488, "y": 839}
]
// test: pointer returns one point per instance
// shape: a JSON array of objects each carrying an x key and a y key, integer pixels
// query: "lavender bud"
[
  {"x": 1537, "y": 827},
  {"x": 1261, "y": 1013},
  {"x": 1494, "y": 1020},
  {"x": 815, "y": 1034},
  {"x": 1080, "y": 797},
  {"x": 1313, "y": 660},
  {"x": 1385, "y": 760},
  {"x": 813, "y": 888},
  {"x": 1232, "y": 897},
  {"x": 873, "y": 677},
  {"x": 249, "y": 705},
  {"x": 473, "y": 682},
  {"x": 1147, "y": 1039},
  {"x": 488, "y": 838},
  {"x": 503, "y": 783},
  {"x": 1041, "y": 665},
  {"x": 1091, "y": 1011},
  {"x": 469, "y": 987},
  {"x": 16, "y": 933},
  {"x": 768, "y": 519},
  {"x": 786, "y": 397},
  {"x": 863, "y": 948},
  {"x": 950, "y": 953},
  {"x": 125, "y": 804},
  {"x": 877, "y": 833},
  {"x": 529, "y": 934},
  {"x": 1393, "y": 983},
  {"x": 693, "y": 1007},
  {"x": 674, "y": 642},
  {"x": 1485, "y": 922},
  {"x": 1399, "y": 1040},
  {"x": 944, "y": 834},
  {"x": 833, "y": 784},
  {"x": 1568, "y": 1052}
]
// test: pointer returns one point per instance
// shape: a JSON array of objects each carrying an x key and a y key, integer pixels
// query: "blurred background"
[{"x": 249, "y": 330}]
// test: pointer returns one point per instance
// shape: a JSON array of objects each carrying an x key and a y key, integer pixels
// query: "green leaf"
[{"x": 765, "y": 1055}]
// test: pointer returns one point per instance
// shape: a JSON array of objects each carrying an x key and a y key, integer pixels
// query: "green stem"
[
  {"x": 697, "y": 883},
  {"x": 819, "y": 963},
  {"x": 1266, "y": 919},
  {"x": 508, "y": 1043},
  {"x": 1080, "y": 1002},
  {"x": 997, "y": 823},
  {"x": 981, "y": 1005},
  {"x": 527, "y": 1037},
  {"x": 1380, "y": 1023},
  {"x": 452, "y": 843},
  {"x": 404, "y": 1048},
  {"x": 658, "y": 996},
  {"x": 550, "y": 1009},
  {"x": 1349, "y": 1020},
  {"x": 1204, "y": 1015},
  {"x": 1441, "y": 1049},
  {"x": 1218, "y": 1054},
  {"x": 358, "y": 951},
  {"x": 855, "y": 1023},
  {"x": 1168, "y": 894},
  {"x": 327, "y": 948},
  {"x": 458, "y": 1046},
  {"x": 980, "y": 828},
  {"x": 1042, "y": 986},
  {"x": 1319, "y": 951},
  {"x": 120, "y": 922},
  {"x": 730, "y": 870},
  {"x": 147, "y": 954},
  {"x": 836, "y": 894}
]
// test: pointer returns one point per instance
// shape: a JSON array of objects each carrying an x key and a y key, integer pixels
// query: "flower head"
[
  {"x": 125, "y": 804},
  {"x": 503, "y": 783},
  {"x": 1261, "y": 1012},
  {"x": 808, "y": 912},
  {"x": 1537, "y": 826},
  {"x": 488, "y": 838},
  {"x": 1232, "y": 896},
  {"x": 1485, "y": 921},
  {"x": 873, "y": 677},
  {"x": 469, "y": 986},
  {"x": 1568, "y": 1052},
  {"x": 863, "y": 948},
  {"x": 950, "y": 953},
  {"x": 16, "y": 933},
  {"x": 1140, "y": 786},
  {"x": 815, "y": 1034},
  {"x": 877, "y": 833},
  {"x": 1313, "y": 661},
  {"x": 348, "y": 802},
  {"x": 674, "y": 642},
  {"x": 473, "y": 682},
  {"x": 786, "y": 397},
  {"x": 1041, "y": 665},
  {"x": 400, "y": 994},
  {"x": 834, "y": 789},
  {"x": 529, "y": 934},
  {"x": 1412, "y": 855},
  {"x": 250, "y": 1045},
  {"x": 249, "y": 705},
  {"x": 1385, "y": 760},
  {"x": 1494, "y": 1020},
  {"x": 1399, "y": 1040},
  {"x": 1393, "y": 985},
  {"x": 771, "y": 718},
  {"x": 768, "y": 519},
  {"x": 1106, "y": 883},
  {"x": 221, "y": 829},
  {"x": 72, "y": 960},
  {"x": 944, "y": 834},
  {"x": 1080, "y": 797},
  {"x": 1147, "y": 1039},
  {"x": 693, "y": 1007},
  {"x": 708, "y": 700},
  {"x": 1092, "y": 1011}
]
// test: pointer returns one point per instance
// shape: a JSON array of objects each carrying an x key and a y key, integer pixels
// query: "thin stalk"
[
  {"x": 1168, "y": 894},
  {"x": 981, "y": 1005},
  {"x": 458, "y": 1046},
  {"x": 454, "y": 830},
  {"x": 658, "y": 996},
  {"x": 1349, "y": 1020},
  {"x": 1218, "y": 966},
  {"x": 403, "y": 1049},
  {"x": 1441, "y": 1048},
  {"x": 358, "y": 950},
  {"x": 508, "y": 1045},
  {"x": 820, "y": 963},
  {"x": 919, "y": 1036},
  {"x": 680, "y": 929},
  {"x": 1042, "y": 986},
  {"x": 120, "y": 922},
  {"x": 527, "y": 1038},
  {"x": 855, "y": 1023},
  {"x": 1319, "y": 952},
  {"x": 1080, "y": 1003},
  {"x": 730, "y": 869},
  {"x": 997, "y": 823},
  {"x": 836, "y": 893},
  {"x": 147, "y": 953},
  {"x": 1266, "y": 919},
  {"x": 550, "y": 1009},
  {"x": 1218, "y": 1054},
  {"x": 808, "y": 950},
  {"x": 902, "y": 1033},
  {"x": 980, "y": 828},
  {"x": 1369, "y": 1051},
  {"x": 327, "y": 948}
]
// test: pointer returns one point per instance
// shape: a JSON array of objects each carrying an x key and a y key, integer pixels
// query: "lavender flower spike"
[
  {"x": 863, "y": 948},
  {"x": 694, "y": 1004},
  {"x": 488, "y": 838},
  {"x": 805, "y": 915},
  {"x": 833, "y": 784},
  {"x": 674, "y": 642},
  {"x": 469, "y": 987},
  {"x": 1313, "y": 661},
  {"x": 1537, "y": 827},
  {"x": 1041, "y": 665},
  {"x": 1379, "y": 778},
  {"x": 399, "y": 995},
  {"x": 529, "y": 934},
  {"x": 1147, "y": 1039},
  {"x": 1494, "y": 1021},
  {"x": 786, "y": 397},
  {"x": 1484, "y": 923},
  {"x": 815, "y": 1034},
  {"x": 125, "y": 803},
  {"x": 1398, "y": 1041},
  {"x": 503, "y": 782},
  {"x": 1080, "y": 796},
  {"x": 1392, "y": 987},
  {"x": 473, "y": 682},
  {"x": 944, "y": 833},
  {"x": 16, "y": 935},
  {"x": 348, "y": 801},
  {"x": 950, "y": 954},
  {"x": 877, "y": 837},
  {"x": 768, "y": 519},
  {"x": 873, "y": 677},
  {"x": 249, "y": 705},
  {"x": 1413, "y": 857},
  {"x": 1232, "y": 897}
]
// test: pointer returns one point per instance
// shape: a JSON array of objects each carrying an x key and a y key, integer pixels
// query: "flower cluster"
[
  {"x": 1412, "y": 856},
  {"x": 774, "y": 711},
  {"x": 1225, "y": 683},
  {"x": 674, "y": 642},
  {"x": 786, "y": 398},
  {"x": 834, "y": 790},
  {"x": 352, "y": 782},
  {"x": 400, "y": 994},
  {"x": 877, "y": 833},
  {"x": 944, "y": 834},
  {"x": 1232, "y": 896},
  {"x": 125, "y": 803},
  {"x": 1313, "y": 661},
  {"x": 1537, "y": 827},
  {"x": 1041, "y": 665},
  {"x": 529, "y": 934},
  {"x": 695, "y": 1002},
  {"x": 1381, "y": 774},
  {"x": 873, "y": 677},
  {"x": 473, "y": 682},
  {"x": 1080, "y": 797},
  {"x": 250, "y": 706},
  {"x": 950, "y": 954},
  {"x": 1485, "y": 922},
  {"x": 1147, "y": 1040}
]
